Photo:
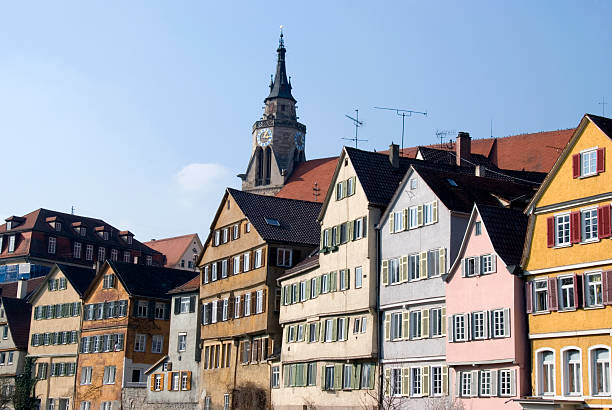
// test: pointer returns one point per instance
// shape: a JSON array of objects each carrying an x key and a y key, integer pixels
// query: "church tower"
[{"x": 278, "y": 138}]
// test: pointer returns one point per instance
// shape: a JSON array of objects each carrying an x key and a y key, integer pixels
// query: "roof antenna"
[
  {"x": 441, "y": 134},
  {"x": 72, "y": 209},
  {"x": 491, "y": 128},
  {"x": 357, "y": 125},
  {"x": 603, "y": 104},
  {"x": 403, "y": 114},
  {"x": 316, "y": 191}
]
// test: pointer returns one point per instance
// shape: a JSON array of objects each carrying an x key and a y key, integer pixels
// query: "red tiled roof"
[
  {"x": 192, "y": 285},
  {"x": 301, "y": 183},
  {"x": 173, "y": 248},
  {"x": 530, "y": 152}
]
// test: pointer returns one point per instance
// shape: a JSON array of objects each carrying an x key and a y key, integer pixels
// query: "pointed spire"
[{"x": 281, "y": 87}]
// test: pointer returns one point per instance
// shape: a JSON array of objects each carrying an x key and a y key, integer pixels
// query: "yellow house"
[{"x": 567, "y": 265}]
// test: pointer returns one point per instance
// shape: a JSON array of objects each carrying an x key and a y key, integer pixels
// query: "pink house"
[{"x": 487, "y": 348}]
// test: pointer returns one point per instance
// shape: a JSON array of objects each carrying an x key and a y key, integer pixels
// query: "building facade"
[
  {"x": 568, "y": 272},
  {"x": 55, "y": 334},
  {"x": 253, "y": 240},
  {"x": 487, "y": 347},
  {"x": 180, "y": 252},
  {"x": 180, "y": 368}
]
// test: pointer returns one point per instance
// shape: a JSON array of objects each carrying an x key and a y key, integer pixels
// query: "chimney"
[
  {"x": 22, "y": 289},
  {"x": 98, "y": 266},
  {"x": 394, "y": 155},
  {"x": 479, "y": 171},
  {"x": 463, "y": 147}
]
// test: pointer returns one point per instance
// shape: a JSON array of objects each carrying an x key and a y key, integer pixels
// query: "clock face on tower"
[
  {"x": 299, "y": 140},
  {"x": 264, "y": 137}
]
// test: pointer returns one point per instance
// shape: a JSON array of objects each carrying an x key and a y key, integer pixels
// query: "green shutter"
[
  {"x": 356, "y": 376},
  {"x": 337, "y": 377},
  {"x": 385, "y": 272},
  {"x": 308, "y": 289},
  {"x": 372, "y": 376},
  {"x": 334, "y": 329},
  {"x": 333, "y": 281}
]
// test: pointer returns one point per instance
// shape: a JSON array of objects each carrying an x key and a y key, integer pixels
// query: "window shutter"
[
  {"x": 601, "y": 159},
  {"x": 405, "y": 381},
  {"x": 550, "y": 231},
  {"x": 423, "y": 267},
  {"x": 321, "y": 240},
  {"x": 513, "y": 382},
  {"x": 153, "y": 382},
  {"x": 552, "y": 294},
  {"x": 576, "y": 165},
  {"x": 192, "y": 303},
  {"x": 333, "y": 281},
  {"x": 387, "y": 382},
  {"x": 468, "y": 326},
  {"x": 420, "y": 215},
  {"x": 405, "y": 325},
  {"x": 463, "y": 268},
  {"x": 391, "y": 223},
  {"x": 604, "y": 222},
  {"x": 318, "y": 281},
  {"x": 451, "y": 334},
  {"x": 442, "y": 262},
  {"x": 493, "y": 382},
  {"x": 425, "y": 323},
  {"x": 425, "y": 380},
  {"x": 607, "y": 287},
  {"x": 443, "y": 320},
  {"x": 474, "y": 387},
  {"x": 385, "y": 272},
  {"x": 458, "y": 383},
  {"x": 351, "y": 230},
  {"x": 487, "y": 324},
  {"x": 477, "y": 265},
  {"x": 404, "y": 268},
  {"x": 346, "y": 327},
  {"x": 529, "y": 294},
  {"x": 405, "y": 218},
  {"x": 507, "y": 322},
  {"x": 575, "y": 231},
  {"x": 356, "y": 375},
  {"x": 308, "y": 289},
  {"x": 318, "y": 336},
  {"x": 334, "y": 330},
  {"x": 445, "y": 381},
  {"x": 337, "y": 376},
  {"x": 493, "y": 263},
  {"x": 434, "y": 211},
  {"x": 177, "y": 305},
  {"x": 387, "y": 326}
]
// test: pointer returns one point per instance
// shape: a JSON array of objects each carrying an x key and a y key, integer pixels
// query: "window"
[
  {"x": 324, "y": 283},
  {"x": 225, "y": 235},
  {"x": 149, "y": 260},
  {"x": 213, "y": 272},
  {"x": 339, "y": 191},
  {"x": 329, "y": 323},
  {"x": 158, "y": 341},
  {"x": 185, "y": 380},
  {"x": 396, "y": 326},
  {"x": 469, "y": 266},
  {"x": 428, "y": 213},
  {"x": 140, "y": 343},
  {"x": 342, "y": 328},
  {"x": 488, "y": 264},
  {"x": 247, "y": 304},
  {"x": 237, "y": 307},
  {"x": 182, "y": 342},
  {"x": 106, "y": 405},
  {"x": 334, "y": 237},
  {"x": 416, "y": 330},
  {"x": 505, "y": 382},
  {"x": 184, "y": 304},
  {"x": 76, "y": 253},
  {"x": 416, "y": 381},
  {"x": 52, "y": 244},
  {"x": 562, "y": 230},
  {"x": 485, "y": 382},
  {"x": 247, "y": 227},
  {"x": 350, "y": 186},
  {"x": 398, "y": 221},
  {"x": 600, "y": 371},
  {"x": 343, "y": 233},
  {"x": 344, "y": 278},
  {"x": 89, "y": 252},
  {"x": 108, "y": 281},
  {"x": 593, "y": 289},
  {"x": 358, "y": 277},
  {"x": 157, "y": 382},
  {"x": 329, "y": 377},
  {"x": 588, "y": 163},
  {"x": 11, "y": 247},
  {"x": 435, "y": 316},
  {"x": 224, "y": 263},
  {"x": 499, "y": 325},
  {"x": 459, "y": 327},
  {"x": 143, "y": 308},
  {"x": 572, "y": 374},
  {"x": 86, "y": 375},
  {"x": 259, "y": 301},
  {"x": 175, "y": 381},
  {"x": 10, "y": 358},
  {"x": 358, "y": 229},
  {"x": 566, "y": 288},
  {"x": 478, "y": 228},
  {"x": 311, "y": 374},
  {"x": 217, "y": 237},
  {"x": 235, "y": 231},
  {"x": 413, "y": 267},
  {"x": 589, "y": 225},
  {"x": 5, "y": 329},
  {"x": 313, "y": 288},
  {"x": 466, "y": 384},
  {"x": 114, "y": 254},
  {"x": 396, "y": 382},
  {"x": 283, "y": 257},
  {"x": 394, "y": 276},
  {"x": 246, "y": 260},
  {"x": 85, "y": 405},
  {"x": 541, "y": 296},
  {"x": 214, "y": 316},
  {"x": 433, "y": 262},
  {"x": 302, "y": 291},
  {"x": 109, "y": 374},
  {"x": 236, "y": 265},
  {"x": 436, "y": 380},
  {"x": 413, "y": 183},
  {"x": 226, "y": 397},
  {"x": 479, "y": 327},
  {"x": 258, "y": 258},
  {"x": 347, "y": 380},
  {"x": 225, "y": 309},
  {"x": 413, "y": 217}
]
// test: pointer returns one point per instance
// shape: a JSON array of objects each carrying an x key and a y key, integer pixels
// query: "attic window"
[
  {"x": 272, "y": 221},
  {"x": 58, "y": 226},
  {"x": 9, "y": 225},
  {"x": 451, "y": 182}
]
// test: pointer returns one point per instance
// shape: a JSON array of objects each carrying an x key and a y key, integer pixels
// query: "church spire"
[{"x": 281, "y": 86}]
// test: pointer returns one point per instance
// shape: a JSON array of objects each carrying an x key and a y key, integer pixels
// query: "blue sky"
[{"x": 139, "y": 112}]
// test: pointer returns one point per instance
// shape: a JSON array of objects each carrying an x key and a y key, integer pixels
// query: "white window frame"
[
  {"x": 594, "y": 363},
  {"x": 416, "y": 321},
  {"x": 284, "y": 257},
  {"x": 588, "y": 162},
  {"x": 398, "y": 221},
  {"x": 413, "y": 217},
  {"x": 358, "y": 277},
  {"x": 358, "y": 228},
  {"x": 484, "y": 383},
  {"x": 459, "y": 328},
  {"x": 435, "y": 320},
  {"x": 505, "y": 383},
  {"x": 329, "y": 325},
  {"x": 436, "y": 381},
  {"x": 157, "y": 343},
  {"x": 259, "y": 301},
  {"x": 258, "y": 262},
  {"x": 545, "y": 369},
  {"x": 562, "y": 230},
  {"x": 466, "y": 384},
  {"x": 246, "y": 262},
  {"x": 428, "y": 218},
  {"x": 544, "y": 289},
  {"x": 414, "y": 267},
  {"x": 588, "y": 225},
  {"x": 479, "y": 325},
  {"x": 565, "y": 370},
  {"x": 566, "y": 293},
  {"x": 590, "y": 283},
  {"x": 140, "y": 342},
  {"x": 181, "y": 344},
  {"x": 236, "y": 267},
  {"x": 498, "y": 324},
  {"x": 394, "y": 271},
  {"x": 235, "y": 231}
]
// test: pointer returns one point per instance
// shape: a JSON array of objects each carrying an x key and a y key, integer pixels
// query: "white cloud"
[{"x": 199, "y": 178}]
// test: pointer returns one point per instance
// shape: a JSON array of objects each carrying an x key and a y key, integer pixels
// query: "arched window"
[
  {"x": 258, "y": 166},
  {"x": 572, "y": 378},
  {"x": 600, "y": 371},
  {"x": 268, "y": 165},
  {"x": 546, "y": 373}
]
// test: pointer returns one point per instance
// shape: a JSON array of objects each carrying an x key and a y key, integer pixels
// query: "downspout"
[
  {"x": 235, "y": 370},
  {"x": 378, "y": 330}
]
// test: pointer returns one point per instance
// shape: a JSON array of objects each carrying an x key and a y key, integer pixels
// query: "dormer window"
[
  {"x": 9, "y": 225},
  {"x": 11, "y": 247},
  {"x": 272, "y": 221},
  {"x": 129, "y": 239},
  {"x": 58, "y": 226},
  {"x": 149, "y": 260},
  {"x": 126, "y": 236},
  {"x": 105, "y": 235}
]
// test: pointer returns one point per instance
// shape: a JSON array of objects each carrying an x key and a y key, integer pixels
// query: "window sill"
[
  {"x": 543, "y": 312},
  {"x": 588, "y": 175},
  {"x": 573, "y": 309},
  {"x": 565, "y": 245},
  {"x": 594, "y": 307},
  {"x": 588, "y": 241}
]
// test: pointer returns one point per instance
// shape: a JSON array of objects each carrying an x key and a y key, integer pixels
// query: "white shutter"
[
  {"x": 434, "y": 211},
  {"x": 507, "y": 322},
  {"x": 474, "y": 389},
  {"x": 463, "y": 267},
  {"x": 487, "y": 321},
  {"x": 451, "y": 334},
  {"x": 493, "y": 263},
  {"x": 493, "y": 382},
  {"x": 391, "y": 223},
  {"x": 442, "y": 264},
  {"x": 513, "y": 382},
  {"x": 477, "y": 265}
]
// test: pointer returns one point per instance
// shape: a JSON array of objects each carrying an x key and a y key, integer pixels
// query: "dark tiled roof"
[
  {"x": 150, "y": 281},
  {"x": 191, "y": 286},
  {"x": 80, "y": 278},
  {"x": 471, "y": 189},
  {"x": 9, "y": 289},
  {"x": 506, "y": 229},
  {"x": 605, "y": 124},
  {"x": 305, "y": 265},
  {"x": 18, "y": 313},
  {"x": 297, "y": 219}
]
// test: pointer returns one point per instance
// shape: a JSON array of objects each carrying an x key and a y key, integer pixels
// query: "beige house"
[
  {"x": 55, "y": 334},
  {"x": 180, "y": 252},
  {"x": 328, "y": 306}
]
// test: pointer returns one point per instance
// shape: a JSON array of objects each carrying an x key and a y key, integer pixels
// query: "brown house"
[
  {"x": 125, "y": 330},
  {"x": 253, "y": 240}
]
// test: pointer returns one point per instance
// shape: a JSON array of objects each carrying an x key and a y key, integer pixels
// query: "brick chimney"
[
  {"x": 22, "y": 289},
  {"x": 463, "y": 147},
  {"x": 394, "y": 155}
]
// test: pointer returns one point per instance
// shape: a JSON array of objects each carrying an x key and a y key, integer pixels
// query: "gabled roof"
[
  {"x": 191, "y": 286},
  {"x": 9, "y": 289},
  {"x": 307, "y": 175},
  {"x": 297, "y": 220},
  {"x": 173, "y": 248},
  {"x": 146, "y": 281},
  {"x": 306, "y": 265},
  {"x": 506, "y": 229},
  {"x": 18, "y": 314},
  {"x": 79, "y": 278}
]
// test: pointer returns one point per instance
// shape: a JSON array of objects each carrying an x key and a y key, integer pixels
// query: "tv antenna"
[
  {"x": 357, "y": 124},
  {"x": 403, "y": 114},
  {"x": 441, "y": 134},
  {"x": 603, "y": 104}
]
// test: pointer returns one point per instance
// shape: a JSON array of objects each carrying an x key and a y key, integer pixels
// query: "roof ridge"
[
  {"x": 170, "y": 238},
  {"x": 272, "y": 196}
]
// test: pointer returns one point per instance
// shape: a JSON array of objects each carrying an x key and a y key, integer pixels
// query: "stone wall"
[{"x": 133, "y": 398}]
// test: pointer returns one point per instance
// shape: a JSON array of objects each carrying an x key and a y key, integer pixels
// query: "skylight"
[
  {"x": 451, "y": 182},
  {"x": 272, "y": 221}
]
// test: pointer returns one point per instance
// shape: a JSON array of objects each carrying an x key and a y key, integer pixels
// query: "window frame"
[
  {"x": 565, "y": 371},
  {"x": 536, "y": 305},
  {"x": 593, "y": 370},
  {"x": 588, "y": 225},
  {"x": 562, "y": 230},
  {"x": 588, "y": 283},
  {"x": 590, "y": 161}
]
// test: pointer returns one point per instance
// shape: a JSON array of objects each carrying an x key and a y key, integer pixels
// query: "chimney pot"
[
  {"x": 394, "y": 155},
  {"x": 463, "y": 148},
  {"x": 22, "y": 288}
]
